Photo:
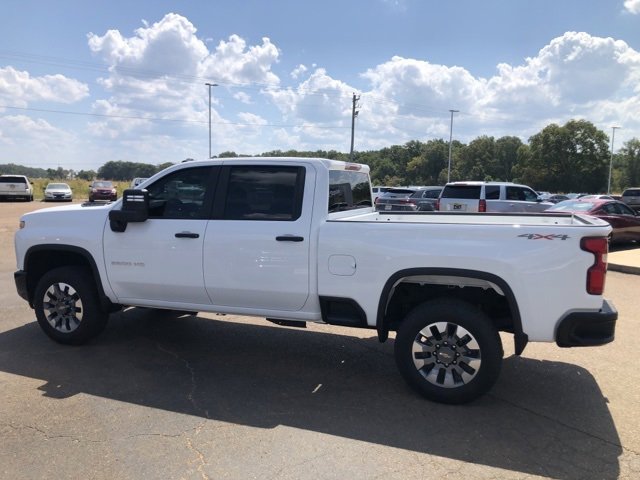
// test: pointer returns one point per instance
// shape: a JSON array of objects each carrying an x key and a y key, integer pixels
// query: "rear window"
[
  {"x": 631, "y": 192},
  {"x": 461, "y": 191},
  {"x": 12, "y": 179},
  {"x": 348, "y": 190}
]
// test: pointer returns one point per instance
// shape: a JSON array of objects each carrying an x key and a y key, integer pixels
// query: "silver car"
[{"x": 58, "y": 191}]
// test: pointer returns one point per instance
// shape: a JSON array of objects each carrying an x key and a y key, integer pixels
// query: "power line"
[{"x": 175, "y": 120}]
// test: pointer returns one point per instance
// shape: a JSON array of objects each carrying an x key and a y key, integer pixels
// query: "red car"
[
  {"x": 102, "y": 190},
  {"x": 624, "y": 220}
]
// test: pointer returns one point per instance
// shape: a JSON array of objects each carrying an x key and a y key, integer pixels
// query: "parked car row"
[
  {"x": 464, "y": 197},
  {"x": 478, "y": 197},
  {"x": 19, "y": 187}
]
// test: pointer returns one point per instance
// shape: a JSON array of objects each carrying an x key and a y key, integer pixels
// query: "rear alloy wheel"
[
  {"x": 448, "y": 351},
  {"x": 67, "y": 305}
]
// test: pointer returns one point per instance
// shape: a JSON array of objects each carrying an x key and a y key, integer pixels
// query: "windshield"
[
  {"x": 101, "y": 184},
  {"x": 53, "y": 186}
]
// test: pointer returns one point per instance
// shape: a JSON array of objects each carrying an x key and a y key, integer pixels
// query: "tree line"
[{"x": 574, "y": 157}]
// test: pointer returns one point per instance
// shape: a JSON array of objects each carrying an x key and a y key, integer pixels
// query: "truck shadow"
[{"x": 542, "y": 418}]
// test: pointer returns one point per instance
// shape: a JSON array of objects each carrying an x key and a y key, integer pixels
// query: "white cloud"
[
  {"x": 232, "y": 62},
  {"x": 412, "y": 83},
  {"x": 320, "y": 98},
  {"x": 35, "y": 142},
  {"x": 298, "y": 71},
  {"x": 242, "y": 97},
  {"x": 168, "y": 47},
  {"x": 632, "y": 6},
  {"x": 575, "y": 76},
  {"x": 161, "y": 71},
  {"x": 19, "y": 88}
]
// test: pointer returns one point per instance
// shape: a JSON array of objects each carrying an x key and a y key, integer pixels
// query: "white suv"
[
  {"x": 490, "y": 197},
  {"x": 16, "y": 186}
]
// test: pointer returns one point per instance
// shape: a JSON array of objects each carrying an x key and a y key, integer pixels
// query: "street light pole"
[
  {"x": 613, "y": 136},
  {"x": 210, "y": 85},
  {"x": 450, "y": 139}
]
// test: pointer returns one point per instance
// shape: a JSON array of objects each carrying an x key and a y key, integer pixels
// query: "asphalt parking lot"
[{"x": 160, "y": 396}]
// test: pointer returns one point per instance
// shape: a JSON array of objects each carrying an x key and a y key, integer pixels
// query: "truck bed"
[{"x": 540, "y": 219}]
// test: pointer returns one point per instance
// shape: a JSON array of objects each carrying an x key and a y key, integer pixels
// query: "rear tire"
[
  {"x": 68, "y": 307},
  {"x": 448, "y": 351}
]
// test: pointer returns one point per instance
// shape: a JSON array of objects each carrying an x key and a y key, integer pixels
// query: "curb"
[{"x": 623, "y": 268}]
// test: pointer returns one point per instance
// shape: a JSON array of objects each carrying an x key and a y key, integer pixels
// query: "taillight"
[
  {"x": 482, "y": 206},
  {"x": 599, "y": 247},
  {"x": 438, "y": 204},
  {"x": 377, "y": 200}
]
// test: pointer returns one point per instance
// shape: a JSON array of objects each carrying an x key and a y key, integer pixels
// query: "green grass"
[{"x": 80, "y": 188}]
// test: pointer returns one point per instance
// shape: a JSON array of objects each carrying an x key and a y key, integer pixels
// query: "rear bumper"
[
  {"x": 588, "y": 329},
  {"x": 20, "y": 194}
]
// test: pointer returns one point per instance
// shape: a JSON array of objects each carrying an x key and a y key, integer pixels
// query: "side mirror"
[{"x": 135, "y": 208}]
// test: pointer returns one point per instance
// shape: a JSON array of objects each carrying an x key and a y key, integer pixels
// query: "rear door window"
[{"x": 264, "y": 193}]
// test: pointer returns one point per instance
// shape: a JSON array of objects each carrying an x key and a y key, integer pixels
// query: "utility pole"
[
  {"x": 450, "y": 139},
  {"x": 613, "y": 136},
  {"x": 354, "y": 114},
  {"x": 210, "y": 85}
]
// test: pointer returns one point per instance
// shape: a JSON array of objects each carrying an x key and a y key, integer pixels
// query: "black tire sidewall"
[
  {"x": 94, "y": 318},
  {"x": 467, "y": 316}
]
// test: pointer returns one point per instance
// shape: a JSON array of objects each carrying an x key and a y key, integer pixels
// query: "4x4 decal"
[{"x": 537, "y": 236}]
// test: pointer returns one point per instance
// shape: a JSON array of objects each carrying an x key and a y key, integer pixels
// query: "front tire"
[
  {"x": 68, "y": 307},
  {"x": 448, "y": 351}
]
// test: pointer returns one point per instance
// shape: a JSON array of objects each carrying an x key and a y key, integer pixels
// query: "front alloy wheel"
[
  {"x": 63, "y": 307},
  {"x": 68, "y": 306}
]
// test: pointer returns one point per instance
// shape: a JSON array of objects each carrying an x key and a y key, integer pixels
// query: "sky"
[{"x": 84, "y": 83}]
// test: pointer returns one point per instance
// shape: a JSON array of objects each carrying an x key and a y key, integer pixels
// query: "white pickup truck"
[{"x": 297, "y": 240}]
